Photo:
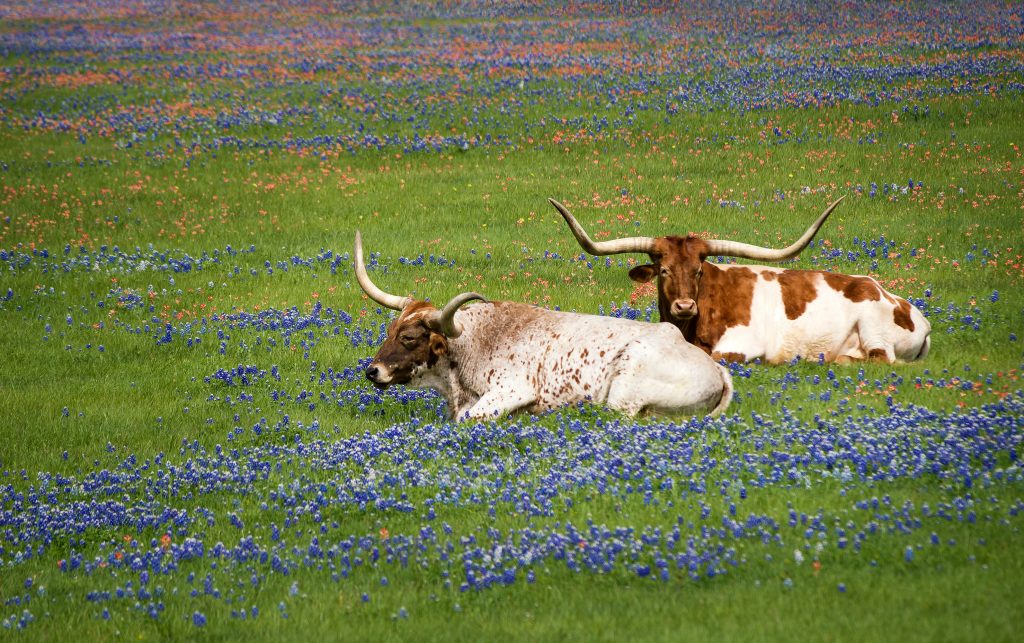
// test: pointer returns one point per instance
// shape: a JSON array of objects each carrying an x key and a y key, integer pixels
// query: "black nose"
[{"x": 371, "y": 373}]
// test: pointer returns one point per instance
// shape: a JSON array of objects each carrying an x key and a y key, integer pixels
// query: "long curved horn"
[
  {"x": 727, "y": 248},
  {"x": 443, "y": 320},
  {"x": 384, "y": 299},
  {"x": 614, "y": 247}
]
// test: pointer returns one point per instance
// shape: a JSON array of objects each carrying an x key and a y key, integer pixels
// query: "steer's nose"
[
  {"x": 683, "y": 308},
  {"x": 372, "y": 373}
]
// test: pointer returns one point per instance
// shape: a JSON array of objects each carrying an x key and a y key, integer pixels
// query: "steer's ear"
[
  {"x": 642, "y": 274},
  {"x": 438, "y": 344}
]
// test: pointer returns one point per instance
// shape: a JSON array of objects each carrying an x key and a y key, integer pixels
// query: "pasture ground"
[{"x": 188, "y": 448}]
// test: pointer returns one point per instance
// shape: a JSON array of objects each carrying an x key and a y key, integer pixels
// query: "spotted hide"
[
  {"x": 746, "y": 312},
  {"x": 495, "y": 358}
]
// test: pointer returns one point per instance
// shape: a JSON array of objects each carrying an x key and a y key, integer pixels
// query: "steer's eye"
[{"x": 407, "y": 339}]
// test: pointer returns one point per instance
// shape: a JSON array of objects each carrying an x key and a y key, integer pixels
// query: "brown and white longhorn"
[
  {"x": 746, "y": 312},
  {"x": 496, "y": 358}
]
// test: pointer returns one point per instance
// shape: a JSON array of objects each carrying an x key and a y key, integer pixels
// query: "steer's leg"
[
  {"x": 666, "y": 393},
  {"x": 499, "y": 401},
  {"x": 875, "y": 336},
  {"x": 664, "y": 374},
  {"x": 849, "y": 351},
  {"x": 880, "y": 354},
  {"x": 624, "y": 397},
  {"x": 877, "y": 348}
]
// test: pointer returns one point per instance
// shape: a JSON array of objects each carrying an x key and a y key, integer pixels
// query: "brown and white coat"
[
  {"x": 746, "y": 312},
  {"x": 497, "y": 358}
]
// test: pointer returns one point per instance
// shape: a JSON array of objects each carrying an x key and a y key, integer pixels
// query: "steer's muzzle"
[
  {"x": 377, "y": 376},
  {"x": 683, "y": 308}
]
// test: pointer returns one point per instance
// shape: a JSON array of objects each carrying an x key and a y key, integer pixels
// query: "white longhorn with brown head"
[
  {"x": 496, "y": 358},
  {"x": 746, "y": 312}
]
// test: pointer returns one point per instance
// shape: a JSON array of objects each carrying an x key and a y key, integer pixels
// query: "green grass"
[
  {"x": 125, "y": 420},
  {"x": 143, "y": 399}
]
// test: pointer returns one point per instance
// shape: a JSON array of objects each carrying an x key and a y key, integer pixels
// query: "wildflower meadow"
[{"x": 189, "y": 448}]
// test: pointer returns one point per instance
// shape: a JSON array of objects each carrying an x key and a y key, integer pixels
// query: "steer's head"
[
  {"x": 678, "y": 265},
  {"x": 411, "y": 347},
  {"x": 678, "y": 262},
  {"x": 417, "y": 340}
]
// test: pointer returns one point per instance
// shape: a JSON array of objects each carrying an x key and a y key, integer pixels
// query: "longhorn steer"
[
  {"x": 501, "y": 357},
  {"x": 746, "y": 312}
]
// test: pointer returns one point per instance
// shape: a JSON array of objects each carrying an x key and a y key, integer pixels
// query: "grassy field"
[{"x": 189, "y": 449}]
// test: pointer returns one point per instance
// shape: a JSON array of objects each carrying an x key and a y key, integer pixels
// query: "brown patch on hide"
[
  {"x": 855, "y": 289},
  {"x": 798, "y": 290},
  {"x": 726, "y": 295},
  {"x": 737, "y": 358},
  {"x": 901, "y": 315}
]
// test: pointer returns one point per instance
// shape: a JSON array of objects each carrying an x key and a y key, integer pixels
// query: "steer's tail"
[{"x": 726, "y": 392}]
